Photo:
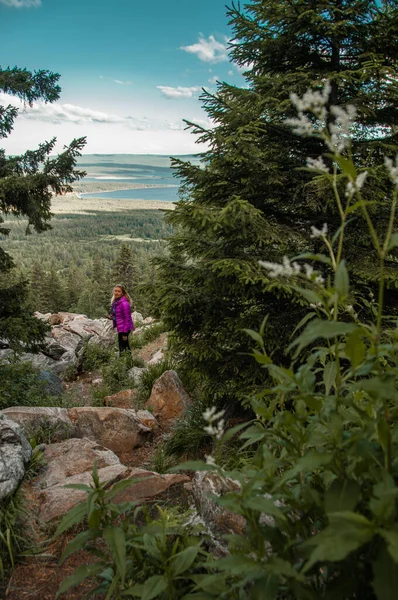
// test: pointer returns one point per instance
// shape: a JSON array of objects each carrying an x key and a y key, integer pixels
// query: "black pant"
[{"x": 123, "y": 343}]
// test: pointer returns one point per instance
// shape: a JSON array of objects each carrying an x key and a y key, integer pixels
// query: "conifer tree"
[
  {"x": 27, "y": 183},
  {"x": 124, "y": 270},
  {"x": 37, "y": 287},
  {"x": 250, "y": 198}
]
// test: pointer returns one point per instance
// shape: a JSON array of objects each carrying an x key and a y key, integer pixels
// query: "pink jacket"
[{"x": 121, "y": 313}]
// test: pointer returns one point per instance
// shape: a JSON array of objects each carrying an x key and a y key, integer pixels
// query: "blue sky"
[{"x": 131, "y": 70}]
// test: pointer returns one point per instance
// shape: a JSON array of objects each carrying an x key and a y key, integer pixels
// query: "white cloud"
[
  {"x": 230, "y": 73},
  {"x": 21, "y": 3},
  {"x": 214, "y": 79},
  {"x": 178, "y": 92},
  {"x": 118, "y": 81},
  {"x": 209, "y": 50},
  {"x": 70, "y": 113}
]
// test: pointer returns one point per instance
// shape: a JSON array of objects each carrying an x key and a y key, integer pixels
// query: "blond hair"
[{"x": 124, "y": 292}]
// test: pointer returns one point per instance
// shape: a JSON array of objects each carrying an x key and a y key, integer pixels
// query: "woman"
[{"x": 121, "y": 316}]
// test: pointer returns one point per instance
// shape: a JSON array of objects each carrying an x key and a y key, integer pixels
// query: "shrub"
[
  {"x": 154, "y": 559},
  {"x": 21, "y": 385},
  {"x": 96, "y": 355}
]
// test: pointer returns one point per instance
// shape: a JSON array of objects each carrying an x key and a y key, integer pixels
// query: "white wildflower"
[
  {"x": 313, "y": 101},
  {"x": 392, "y": 169},
  {"x": 360, "y": 180},
  {"x": 210, "y": 460},
  {"x": 319, "y": 233},
  {"x": 210, "y": 414},
  {"x": 337, "y": 142},
  {"x": 350, "y": 190},
  {"x": 317, "y": 164},
  {"x": 319, "y": 280},
  {"x": 309, "y": 271},
  {"x": 302, "y": 125},
  {"x": 296, "y": 267},
  {"x": 210, "y": 430},
  {"x": 344, "y": 117},
  {"x": 350, "y": 309},
  {"x": 220, "y": 429},
  {"x": 279, "y": 270}
]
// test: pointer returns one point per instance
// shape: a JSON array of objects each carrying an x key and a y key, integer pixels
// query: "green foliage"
[
  {"x": 188, "y": 437},
  {"x": 154, "y": 559},
  {"x": 27, "y": 183},
  {"x": 320, "y": 496},
  {"x": 96, "y": 355},
  {"x": 82, "y": 250},
  {"x": 20, "y": 385},
  {"x": 252, "y": 199}
]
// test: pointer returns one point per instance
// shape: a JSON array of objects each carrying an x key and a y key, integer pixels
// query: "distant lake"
[{"x": 166, "y": 194}]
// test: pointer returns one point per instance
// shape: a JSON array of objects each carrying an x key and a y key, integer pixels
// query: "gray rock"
[
  {"x": 51, "y": 383},
  {"x": 49, "y": 421},
  {"x": 136, "y": 374},
  {"x": 15, "y": 452},
  {"x": 118, "y": 429}
]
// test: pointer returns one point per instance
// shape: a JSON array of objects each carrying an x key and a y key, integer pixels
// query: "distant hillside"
[{"x": 117, "y": 160}]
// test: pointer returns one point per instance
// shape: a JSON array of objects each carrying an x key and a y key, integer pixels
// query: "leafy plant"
[
  {"x": 320, "y": 496},
  {"x": 154, "y": 559},
  {"x": 20, "y": 385}
]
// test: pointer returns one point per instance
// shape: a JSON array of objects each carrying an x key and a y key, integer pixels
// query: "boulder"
[
  {"x": 52, "y": 384},
  {"x": 66, "y": 339},
  {"x": 51, "y": 422},
  {"x": 148, "y": 484},
  {"x": 218, "y": 519},
  {"x": 123, "y": 399},
  {"x": 137, "y": 317},
  {"x": 15, "y": 452},
  {"x": 71, "y": 462},
  {"x": 118, "y": 429},
  {"x": 156, "y": 358},
  {"x": 168, "y": 399},
  {"x": 136, "y": 373},
  {"x": 53, "y": 348},
  {"x": 55, "y": 319},
  {"x": 73, "y": 457}
]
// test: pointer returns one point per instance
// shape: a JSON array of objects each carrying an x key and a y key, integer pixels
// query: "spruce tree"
[
  {"x": 124, "y": 270},
  {"x": 250, "y": 199},
  {"x": 27, "y": 183}
]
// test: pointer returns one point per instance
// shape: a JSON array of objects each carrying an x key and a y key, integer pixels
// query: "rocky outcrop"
[
  {"x": 168, "y": 399},
  {"x": 219, "y": 520},
  {"x": 118, "y": 429},
  {"x": 63, "y": 344},
  {"x": 123, "y": 399},
  {"x": 72, "y": 461},
  {"x": 15, "y": 452},
  {"x": 49, "y": 422}
]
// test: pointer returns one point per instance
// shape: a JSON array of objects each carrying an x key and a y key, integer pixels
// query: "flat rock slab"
[
  {"x": 147, "y": 485},
  {"x": 72, "y": 461},
  {"x": 15, "y": 452},
  {"x": 73, "y": 457},
  {"x": 50, "y": 421},
  {"x": 56, "y": 500},
  {"x": 118, "y": 429}
]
